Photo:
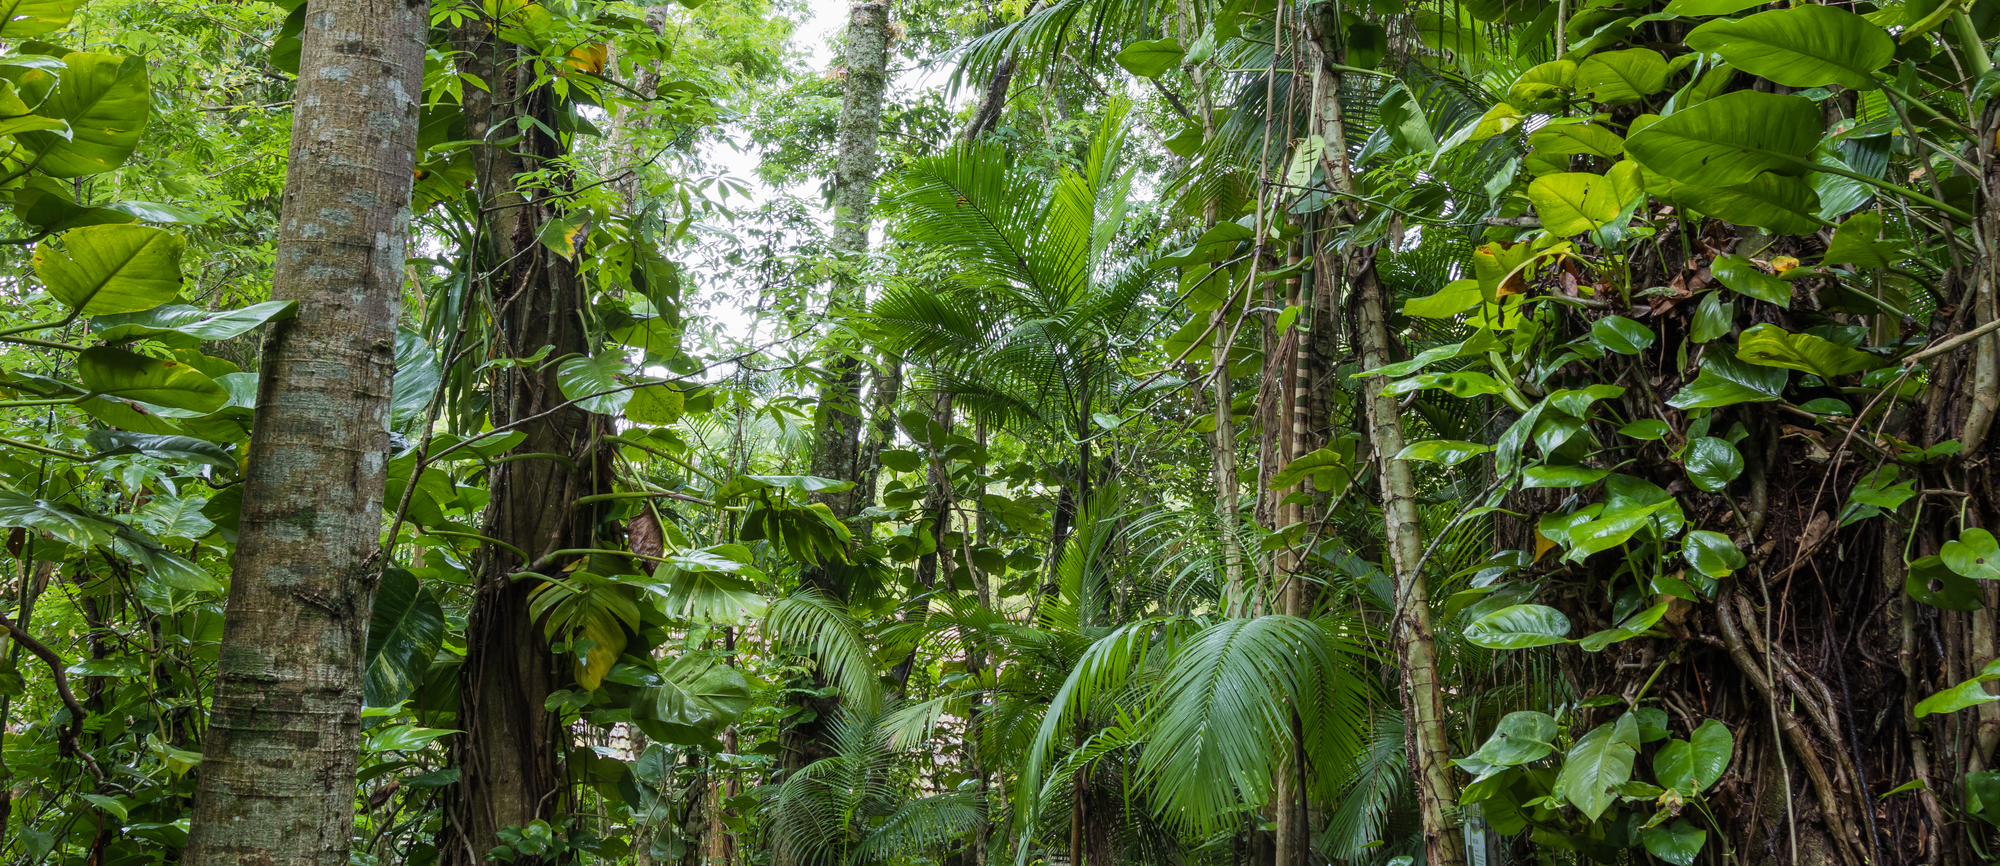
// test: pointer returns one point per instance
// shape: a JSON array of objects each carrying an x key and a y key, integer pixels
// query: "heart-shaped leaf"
[
  {"x": 593, "y": 383},
  {"x": 1975, "y": 554},
  {"x": 1600, "y": 762},
  {"x": 1712, "y": 463}
]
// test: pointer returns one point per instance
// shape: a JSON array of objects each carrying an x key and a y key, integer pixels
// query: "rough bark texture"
[
  {"x": 276, "y": 783},
  {"x": 510, "y": 756},
  {"x": 837, "y": 420},
  {"x": 1429, "y": 750}
]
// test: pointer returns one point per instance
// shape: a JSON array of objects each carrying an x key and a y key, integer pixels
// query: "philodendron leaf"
[
  {"x": 1519, "y": 627},
  {"x": 1712, "y": 463},
  {"x": 1691, "y": 766},
  {"x": 1726, "y": 381},
  {"x": 1562, "y": 139},
  {"x": 1151, "y": 58},
  {"x": 20, "y": 19},
  {"x": 1772, "y": 346},
  {"x": 1712, "y": 553},
  {"x": 1782, "y": 204},
  {"x": 1561, "y": 476},
  {"x": 1804, "y": 46},
  {"x": 1970, "y": 693},
  {"x": 1693, "y": 8},
  {"x": 1731, "y": 139},
  {"x": 1576, "y": 202},
  {"x": 1677, "y": 843},
  {"x": 101, "y": 270},
  {"x": 405, "y": 631},
  {"x": 1743, "y": 276},
  {"x": 1521, "y": 737},
  {"x": 1975, "y": 554},
  {"x": 593, "y": 383},
  {"x": 180, "y": 448},
  {"x": 106, "y": 100},
  {"x": 1621, "y": 335},
  {"x": 1619, "y": 77},
  {"x": 1930, "y": 582},
  {"x": 171, "y": 384},
  {"x": 183, "y": 326},
  {"x": 1449, "y": 452},
  {"x": 1859, "y": 242},
  {"x": 1600, "y": 762},
  {"x": 1712, "y": 318}
]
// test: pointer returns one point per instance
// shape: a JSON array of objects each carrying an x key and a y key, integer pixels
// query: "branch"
[{"x": 56, "y": 666}]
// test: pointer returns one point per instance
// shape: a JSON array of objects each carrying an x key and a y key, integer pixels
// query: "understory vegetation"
[{"x": 735, "y": 432}]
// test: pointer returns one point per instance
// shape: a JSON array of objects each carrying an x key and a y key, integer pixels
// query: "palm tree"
[
  {"x": 855, "y": 808},
  {"x": 1025, "y": 331}
]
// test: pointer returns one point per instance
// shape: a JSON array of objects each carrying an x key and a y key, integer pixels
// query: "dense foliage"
[{"x": 1217, "y": 431}]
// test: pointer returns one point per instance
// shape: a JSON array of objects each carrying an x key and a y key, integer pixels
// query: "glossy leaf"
[
  {"x": 185, "y": 326},
  {"x": 1621, "y": 335},
  {"x": 1520, "y": 738},
  {"x": 1974, "y": 554},
  {"x": 405, "y": 630},
  {"x": 1772, "y": 346},
  {"x": 1519, "y": 627},
  {"x": 1677, "y": 843},
  {"x": 1619, "y": 77},
  {"x": 1744, "y": 277},
  {"x": 21, "y": 19},
  {"x": 1712, "y": 463},
  {"x": 1803, "y": 46},
  {"x": 101, "y": 270},
  {"x": 1449, "y": 452},
  {"x": 1726, "y": 381},
  {"x": 1712, "y": 553},
  {"x": 171, "y": 384},
  {"x": 593, "y": 383},
  {"x": 1151, "y": 58},
  {"x": 1598, "y": 764},
  {"x": 1731, "y": 139},
  {"x": 184, "y": 449},
  {"x": 106, "y": 100}
]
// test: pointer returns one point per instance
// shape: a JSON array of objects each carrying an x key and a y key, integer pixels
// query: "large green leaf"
[
  {"x": 1572, "y": 138},
  {"x": 1743, "y": 276},
  {"x": 405, "y": 630},
  {"x": 63, "y": 522},
  {"x": 1677, "y": 843},
  {"x": 183, "y": 326},
  {"x": 1726, "y": 381},
  {"x": 1692, "y": 8},
  {"x": 102, "y": 270},
  {"x": 186, "y": 449},
  {"x": 1782, "y": 204},
  {"x": 1519, "y": 627},
  {"x": 1449, "y": 452},
  {"x": 20, "y": 19},
  {"x": 1619, "y": 77},
  {"x": 656, "y": 404},
  {"x": 1712, "y": 553},
  {"x": 1151, "y": 58},
  {"x": 1772, "y": 346},
  {"x": 1600, "y": 762},
  {"x": 1859, "y": 242},
  {"x": 1520, "y": 737},
  {"x": 1712, "y": 463},
  {"x": 1975, "y": 554},
  {"x": 690, "y": 700},
  {"x": 593, "y": 383},
  {"x": 1574, "y": 202},
  {"x": 1621, "y": 335},
  {"x": 1806, "y": 45},
  {"x": 171, "y": 384},
  {"x": 1731, "y": 139},
  {"x": 1928, "y": 580},
  {"x": 106, "y": 100},
  {"x": 710, "y": 585}
]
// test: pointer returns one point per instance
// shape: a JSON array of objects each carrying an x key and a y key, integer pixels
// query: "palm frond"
[{"x": 820, "y": 628}]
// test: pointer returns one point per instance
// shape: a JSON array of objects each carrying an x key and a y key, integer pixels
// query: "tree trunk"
[
  {"x": 509, "y": 757},
  {"x": 276, "y": 784},
  {"x": 837, "y": 420}
]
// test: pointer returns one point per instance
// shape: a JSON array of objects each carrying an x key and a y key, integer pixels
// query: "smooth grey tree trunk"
[
  {"x": 276, "y": 783},
  {"x": 837, "y": 420}
]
